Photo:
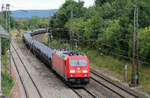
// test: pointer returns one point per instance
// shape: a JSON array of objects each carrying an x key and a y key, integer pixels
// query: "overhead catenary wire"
[
  {"x": 100, "y": 40},
  {"x": 86, "y": 40},
  {"x": 110, "y": 46}
]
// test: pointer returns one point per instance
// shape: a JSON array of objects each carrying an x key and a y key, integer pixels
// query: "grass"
[
  {"x": 7, "y": 80},
  {"x": 14, "y": 32},
  {"x": 141, "y": 96},
  {"x": 108, "y": 62},
  {"x": 7, "y": 84},
  {"x": 4, "y": 64},
  {"x": 115, "y": 67},
  {"x": 145, "y": 78}
]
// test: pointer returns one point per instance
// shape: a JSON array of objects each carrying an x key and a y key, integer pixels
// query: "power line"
[{"x": 112, "y": 53}]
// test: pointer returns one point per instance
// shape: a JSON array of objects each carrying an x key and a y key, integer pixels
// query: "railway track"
[
  {"x": 102, "y": 87},
  {"x": 20, "y": 76},
  {"x": 84, "y": 93},
  {"x": 118, "y": 89},
  {"x": 25, "y": 89}
]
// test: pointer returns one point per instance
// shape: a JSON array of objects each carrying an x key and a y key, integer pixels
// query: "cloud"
[{"x": 88, "y": 3}]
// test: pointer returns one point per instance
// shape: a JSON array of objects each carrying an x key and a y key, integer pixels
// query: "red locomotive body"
[{"x": 74, "y": 68}]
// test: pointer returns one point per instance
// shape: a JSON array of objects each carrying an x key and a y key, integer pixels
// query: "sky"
[{"x": 39, "y": 4}]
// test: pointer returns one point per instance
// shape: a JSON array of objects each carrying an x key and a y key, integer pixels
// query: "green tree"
[
  {"x": 144, "y": 44},
  {"x": 108, "y": 22},
  {"x": 109, "y": 40},
  {"x": 64, "y": 14}
]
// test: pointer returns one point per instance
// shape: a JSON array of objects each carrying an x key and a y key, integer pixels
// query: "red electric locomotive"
[{"x": 72, "y": 66}]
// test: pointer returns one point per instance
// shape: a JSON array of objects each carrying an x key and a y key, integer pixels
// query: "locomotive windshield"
[{"x": 78, "y": 62}]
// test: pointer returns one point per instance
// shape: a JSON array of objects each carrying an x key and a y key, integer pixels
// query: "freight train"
[{"x": 72, "y": 66}]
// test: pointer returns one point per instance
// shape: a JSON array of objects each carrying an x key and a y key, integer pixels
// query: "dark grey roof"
[{"x": 4, "y": 33}]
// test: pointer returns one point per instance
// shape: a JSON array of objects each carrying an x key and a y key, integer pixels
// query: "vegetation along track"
[
  {"x": 24, "y": 87},
  {"x": 113, "y": 86}
]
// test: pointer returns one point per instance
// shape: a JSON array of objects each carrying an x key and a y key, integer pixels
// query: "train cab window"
[{"x": 74, "y": 62}]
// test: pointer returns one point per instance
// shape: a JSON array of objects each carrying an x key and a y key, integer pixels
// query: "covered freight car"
[{"x": 39, "y": 49}]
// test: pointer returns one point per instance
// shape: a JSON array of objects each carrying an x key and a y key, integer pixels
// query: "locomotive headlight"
[
  {"x": 84, "y": 71},
  {"x": 72, "y": 71}
]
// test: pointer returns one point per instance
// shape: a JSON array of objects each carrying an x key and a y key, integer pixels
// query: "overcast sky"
[{"x": 39, "y": 4}]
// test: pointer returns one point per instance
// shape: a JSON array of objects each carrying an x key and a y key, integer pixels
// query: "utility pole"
[
  {"x": 18, "y": 28},
  {"x": 8, "y": 16},
  {"x": 71, "y": 30},
  {"x": 49, "y": 35},
  {"x": 48, "y": 30},
  {"x": 137, "y": 46},
  {"x": 2, "y": 8},
  {"x": 135, "y": 61}
]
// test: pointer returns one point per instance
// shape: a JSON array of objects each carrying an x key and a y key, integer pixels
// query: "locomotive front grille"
[{"x": 79, "y": 80}]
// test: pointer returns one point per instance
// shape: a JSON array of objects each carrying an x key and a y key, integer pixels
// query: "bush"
[{"x": 5, "y": 46}]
